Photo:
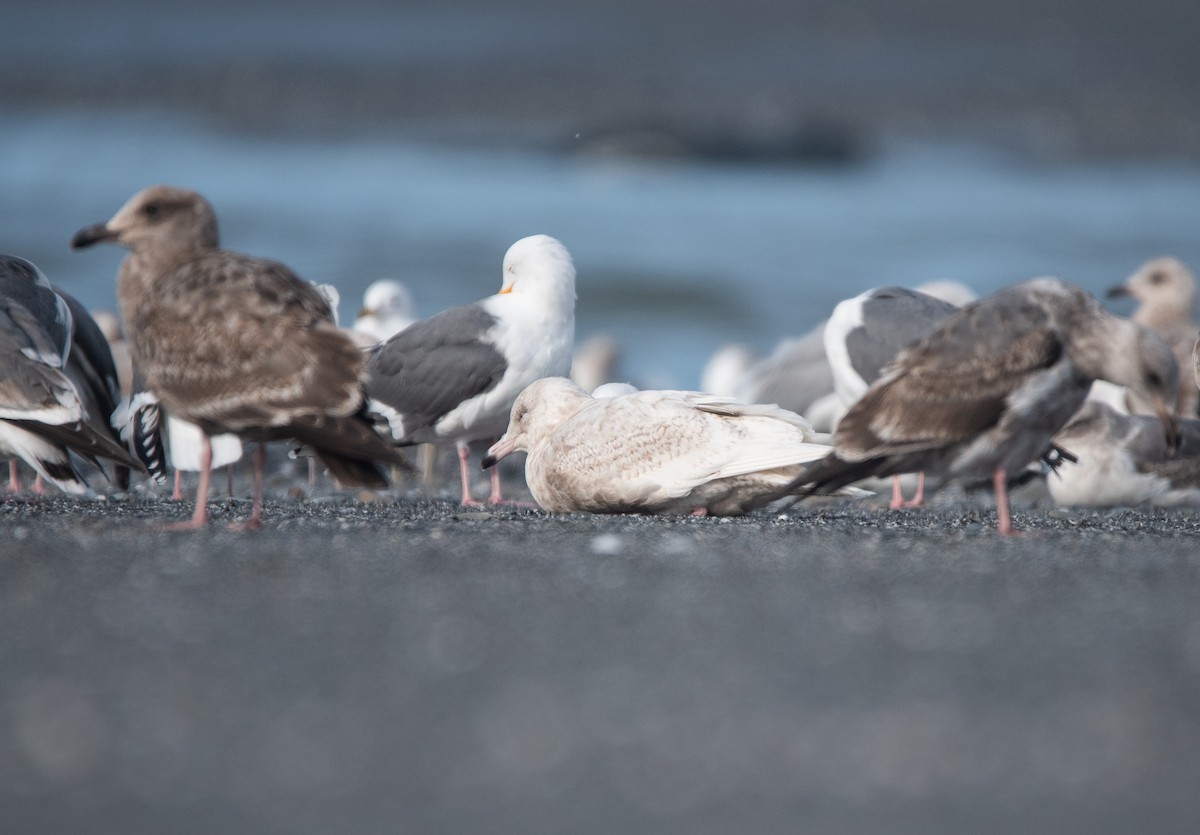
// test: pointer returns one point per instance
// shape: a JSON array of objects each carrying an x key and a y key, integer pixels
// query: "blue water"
[{"x": 674, "y": 258}]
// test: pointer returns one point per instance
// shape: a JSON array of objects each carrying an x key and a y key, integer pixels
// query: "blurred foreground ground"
[{"x": 407, "y": 666}]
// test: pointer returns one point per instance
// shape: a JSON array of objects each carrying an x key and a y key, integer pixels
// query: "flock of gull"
[{"x": 928, "y": 387}]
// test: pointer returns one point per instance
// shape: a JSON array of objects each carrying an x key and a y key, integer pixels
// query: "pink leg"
[
  {"x": 177, "y": 496},
  {"x": 14, "y": 477},
  {"x": 255, "y": 520},
  {"x": 200, "y": 516},
  {"x": 699, "y": 511},
  {"x": 39, "y": 485},
  {"x": 229, "y": 480},
  {"x": 897, "y": 501},
  {"x": 495, "y": 497},
  {"x": 464, "y": 452},
  {"x": 919, "y": 499},
  {"x": 1003, "y": 518}
]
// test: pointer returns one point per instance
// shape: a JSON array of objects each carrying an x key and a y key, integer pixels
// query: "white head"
[
  {"x": 538, "y": 411},
  {"x": 388, "y": 297},
  {"x": 540, "y": 266},
  {"x": 951, "y": 292},
  {"x": 607, "y": 391}
]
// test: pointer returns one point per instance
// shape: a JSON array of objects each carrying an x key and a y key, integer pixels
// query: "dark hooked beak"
[
  {"x": 497, "y": 451},
  {"x": 97, "y": 233},
  {"x": 1118, "y": 292}
]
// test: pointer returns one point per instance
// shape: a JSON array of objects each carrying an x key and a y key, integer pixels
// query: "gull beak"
[
  {"x": 94, "y": 234},
  {"x": 1118, "y": 292},
  {"x": 504, "y": 291},
  {"x": 1170, "y": 426},
  {"x": 498, "y": 450}
]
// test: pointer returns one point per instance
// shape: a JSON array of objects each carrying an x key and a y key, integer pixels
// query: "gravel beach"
[{"x": 405, "y": 665}]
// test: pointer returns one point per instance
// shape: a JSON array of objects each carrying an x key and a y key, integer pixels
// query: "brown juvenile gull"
[
  {"x": 1123, "y": 460},
  {"x": 454, "y": 376},
  {"x": 653, "y": 451},
  {"x": 1166, "y": 293},
  {"x": 236, "y": 344},
  {"x": 982, "y": 395},
  {"x": 57, "y": 382}
]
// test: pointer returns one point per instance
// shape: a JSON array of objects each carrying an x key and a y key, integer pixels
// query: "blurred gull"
[
  {"x": 1125, "y": 461},
  {"x": 865, "y": 333},
  {"x": 58, "y": 384},
  {"x": 797, "y": 374},
  {"x": 387, "y": 309},
  {"x": 653, "y": 451},
  {"x": 982, "y": 395},
  {"x": 1166, "y": 293},
  {"x": 454, "y": 377},
  {"x": 595, "y": 361}
]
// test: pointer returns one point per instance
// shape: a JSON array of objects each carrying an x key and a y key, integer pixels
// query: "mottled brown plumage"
[{"x": 234, "y": 343}]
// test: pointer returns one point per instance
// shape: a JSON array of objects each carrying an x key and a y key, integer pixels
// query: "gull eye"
[
  {"x": 151, "y": 210},
  {"x": 1157, "y": 277},
  {"x": 1153, "y": 378}
]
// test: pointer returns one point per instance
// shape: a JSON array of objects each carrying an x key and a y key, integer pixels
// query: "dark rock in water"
[{"x": 815, "y": 141}]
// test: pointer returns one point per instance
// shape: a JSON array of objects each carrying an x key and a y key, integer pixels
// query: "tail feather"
[
  {"x": 83, "y": 439},
  {"x": 349, "y": 447},
  {"x": 829, "y": 475},
  {"x": 138, "y": 421}
]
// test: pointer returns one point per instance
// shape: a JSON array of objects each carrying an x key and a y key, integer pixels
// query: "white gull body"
[
  {"x": 653, "y": 451},
  {"x": 1124, "y": 461}
]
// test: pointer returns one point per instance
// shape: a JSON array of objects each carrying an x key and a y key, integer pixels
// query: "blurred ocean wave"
[{"x": 721, "y": 171}]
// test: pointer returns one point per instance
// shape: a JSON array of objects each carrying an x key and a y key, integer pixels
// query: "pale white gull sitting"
[{"x": 653, "y": 451}]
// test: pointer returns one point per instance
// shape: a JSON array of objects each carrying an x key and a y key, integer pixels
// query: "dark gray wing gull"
[
  {"x": 866, "y": 333},
  {"x": 982, "y": 395},
  {"x": 47, "y": 407},
  {"x": 237, "y": 344},
  {"x": 454, "y": 376}
]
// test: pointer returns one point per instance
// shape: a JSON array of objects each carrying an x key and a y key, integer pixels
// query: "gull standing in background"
[
  {"x": 1166, "y": 293},
  {"x": 454, "y": 376},
  {"x": 982, "y": 395}
]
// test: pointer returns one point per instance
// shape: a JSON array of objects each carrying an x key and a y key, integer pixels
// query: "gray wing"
[
  {"x": 1146, "y": 442},
  {"x": 35, "y": 340},
  {"x": 953, "y": 383},
  {"x": 892, "y": 318},
  {"x": 35, "y": 321},
  {"x": 432, "y": 366},
  {"x": 92, "y": 356}
]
